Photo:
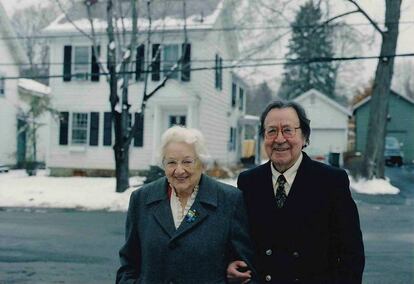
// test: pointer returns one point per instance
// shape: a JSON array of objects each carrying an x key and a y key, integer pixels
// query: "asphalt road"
[
  {"x": 57, "y": 246},
  {"x": 61, "y": 246}
]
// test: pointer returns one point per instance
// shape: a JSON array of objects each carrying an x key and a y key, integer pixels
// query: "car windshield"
[{"x": 391, "y": 142}]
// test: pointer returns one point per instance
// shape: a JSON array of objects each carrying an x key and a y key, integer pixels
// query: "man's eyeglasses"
[
  {"x": 287, "y": 132},
  {"x": 187, "y": 163}
]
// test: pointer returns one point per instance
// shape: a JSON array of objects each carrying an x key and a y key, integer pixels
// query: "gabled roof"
[
  {"x": 364, "y": 101},
  {"x": 324, "y": 98},
  {"x": 7, "y": 32},
  {"x": 165, "y": 14}
]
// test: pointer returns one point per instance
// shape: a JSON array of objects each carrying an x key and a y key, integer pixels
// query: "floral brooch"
[{"x": 192, "y": 214}]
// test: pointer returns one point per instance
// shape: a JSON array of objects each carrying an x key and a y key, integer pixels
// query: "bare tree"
[
  {"x": 124, "y": 36},
  {"x": 373, "y": 165},
  {"x": 28, "y": 23}
]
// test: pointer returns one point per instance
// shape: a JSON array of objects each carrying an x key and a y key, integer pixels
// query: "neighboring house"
[
  {"x": 12, "y": 55},
  {"x": 400, "y": 123},
  {"x": 329, "y": 124},
  {"x": 211, "y": 99},
  {"x": 28, "y": 90}
]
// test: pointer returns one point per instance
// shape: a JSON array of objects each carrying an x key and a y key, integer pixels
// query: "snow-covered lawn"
[{"x": 87, "y": 193}]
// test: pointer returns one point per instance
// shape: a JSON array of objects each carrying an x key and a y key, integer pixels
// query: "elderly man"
[{"x": 304, "y": 222}]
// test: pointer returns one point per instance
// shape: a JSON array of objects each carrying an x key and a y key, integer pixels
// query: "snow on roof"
[
  {"x": 165, "y": 15},
  {"x": 34, "y": 87}
]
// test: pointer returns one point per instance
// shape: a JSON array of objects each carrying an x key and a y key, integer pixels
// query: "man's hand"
[{"x": 238, "y": 272}]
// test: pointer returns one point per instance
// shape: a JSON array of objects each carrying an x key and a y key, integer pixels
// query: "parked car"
[
  {"x": 393, "y": 154},
  {"x": 4, "y": 168}
]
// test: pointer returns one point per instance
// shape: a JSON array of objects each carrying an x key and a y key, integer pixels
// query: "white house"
[
  {"x": 208, "y": 96},
  {"x": 12, "y": 55},
  {"x": 329, "y": 124}
]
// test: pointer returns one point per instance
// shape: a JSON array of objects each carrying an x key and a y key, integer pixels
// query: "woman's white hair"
[{"x": 190, "y": 136}]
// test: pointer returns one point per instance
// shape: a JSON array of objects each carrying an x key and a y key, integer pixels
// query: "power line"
[
  {"x": 234, "y": 66},
  {"x": 148, "y": 62}
]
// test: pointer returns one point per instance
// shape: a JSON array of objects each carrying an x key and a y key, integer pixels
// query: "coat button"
[
  {"x": 269, "y": 252},
  {"x": 295, "y": 254},
  {"x": 268, "y": 278}
]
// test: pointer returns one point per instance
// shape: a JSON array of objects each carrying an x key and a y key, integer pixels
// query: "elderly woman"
[{"x": 185, "y": 227}]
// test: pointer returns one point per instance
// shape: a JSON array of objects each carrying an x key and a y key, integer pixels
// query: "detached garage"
[{"x": 329, "y": 124}]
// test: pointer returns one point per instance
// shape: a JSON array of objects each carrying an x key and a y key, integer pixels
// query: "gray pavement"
[{"x": 62, "y": 246}]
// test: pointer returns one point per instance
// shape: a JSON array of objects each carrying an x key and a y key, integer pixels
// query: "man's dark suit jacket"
[{"x": 315, "y": 237}]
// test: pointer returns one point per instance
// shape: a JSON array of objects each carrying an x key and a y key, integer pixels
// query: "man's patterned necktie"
[{"x": 280, "y": 191}]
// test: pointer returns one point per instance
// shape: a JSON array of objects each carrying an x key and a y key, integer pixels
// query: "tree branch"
[
  {"x": 72, "y": 22},
  {"x": 94, "y": 44},
  {"x": 374, "y": 24}
]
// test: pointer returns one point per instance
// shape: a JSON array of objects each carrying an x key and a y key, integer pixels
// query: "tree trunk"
[
  {"x": 377, "y": 125},
  {"x": 121, "y": 169}
]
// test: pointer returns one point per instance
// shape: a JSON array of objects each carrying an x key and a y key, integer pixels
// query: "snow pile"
[
  {"x": 19, "y": 190},
  {"x": 375, "y": 186}
]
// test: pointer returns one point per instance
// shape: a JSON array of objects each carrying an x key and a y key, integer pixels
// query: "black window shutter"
[
  {"x": 156, "y": 62},
  {"x": 233, "y": 94},
  {"x": 94, "y": 129},
  {"x": 139, "y": 63},
  {"x": 67, "y": 63},
  {"x": 139, "y": 135},
  {"x": 221, "y": 73},
  {"x": 216, "y": 72},
  {"x": 107, "y": 135},
  {"x": 95, "y": 65},
  {"x": 64, "y": 128},
  {"x": 186, "y": 62}
]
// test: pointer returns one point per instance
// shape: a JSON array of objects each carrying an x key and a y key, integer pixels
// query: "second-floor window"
[
  {"x": 81, "y": 65},
  {"x": 170, "y": 59},
  {"x": 166, "y": 57}
]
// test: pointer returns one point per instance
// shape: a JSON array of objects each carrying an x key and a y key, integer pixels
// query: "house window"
[
  {"x": 177, "y": 120},
  {"x": 241, "y": 99},
  {"x": 81, "y": 64},
  {"x": 219, "y": 72},
  {"x": 79, "y": 128},
  {"x": 2, "y": 86},
  {"x": 233, "y": 94},
  {"x": 170, "y": 58}
]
